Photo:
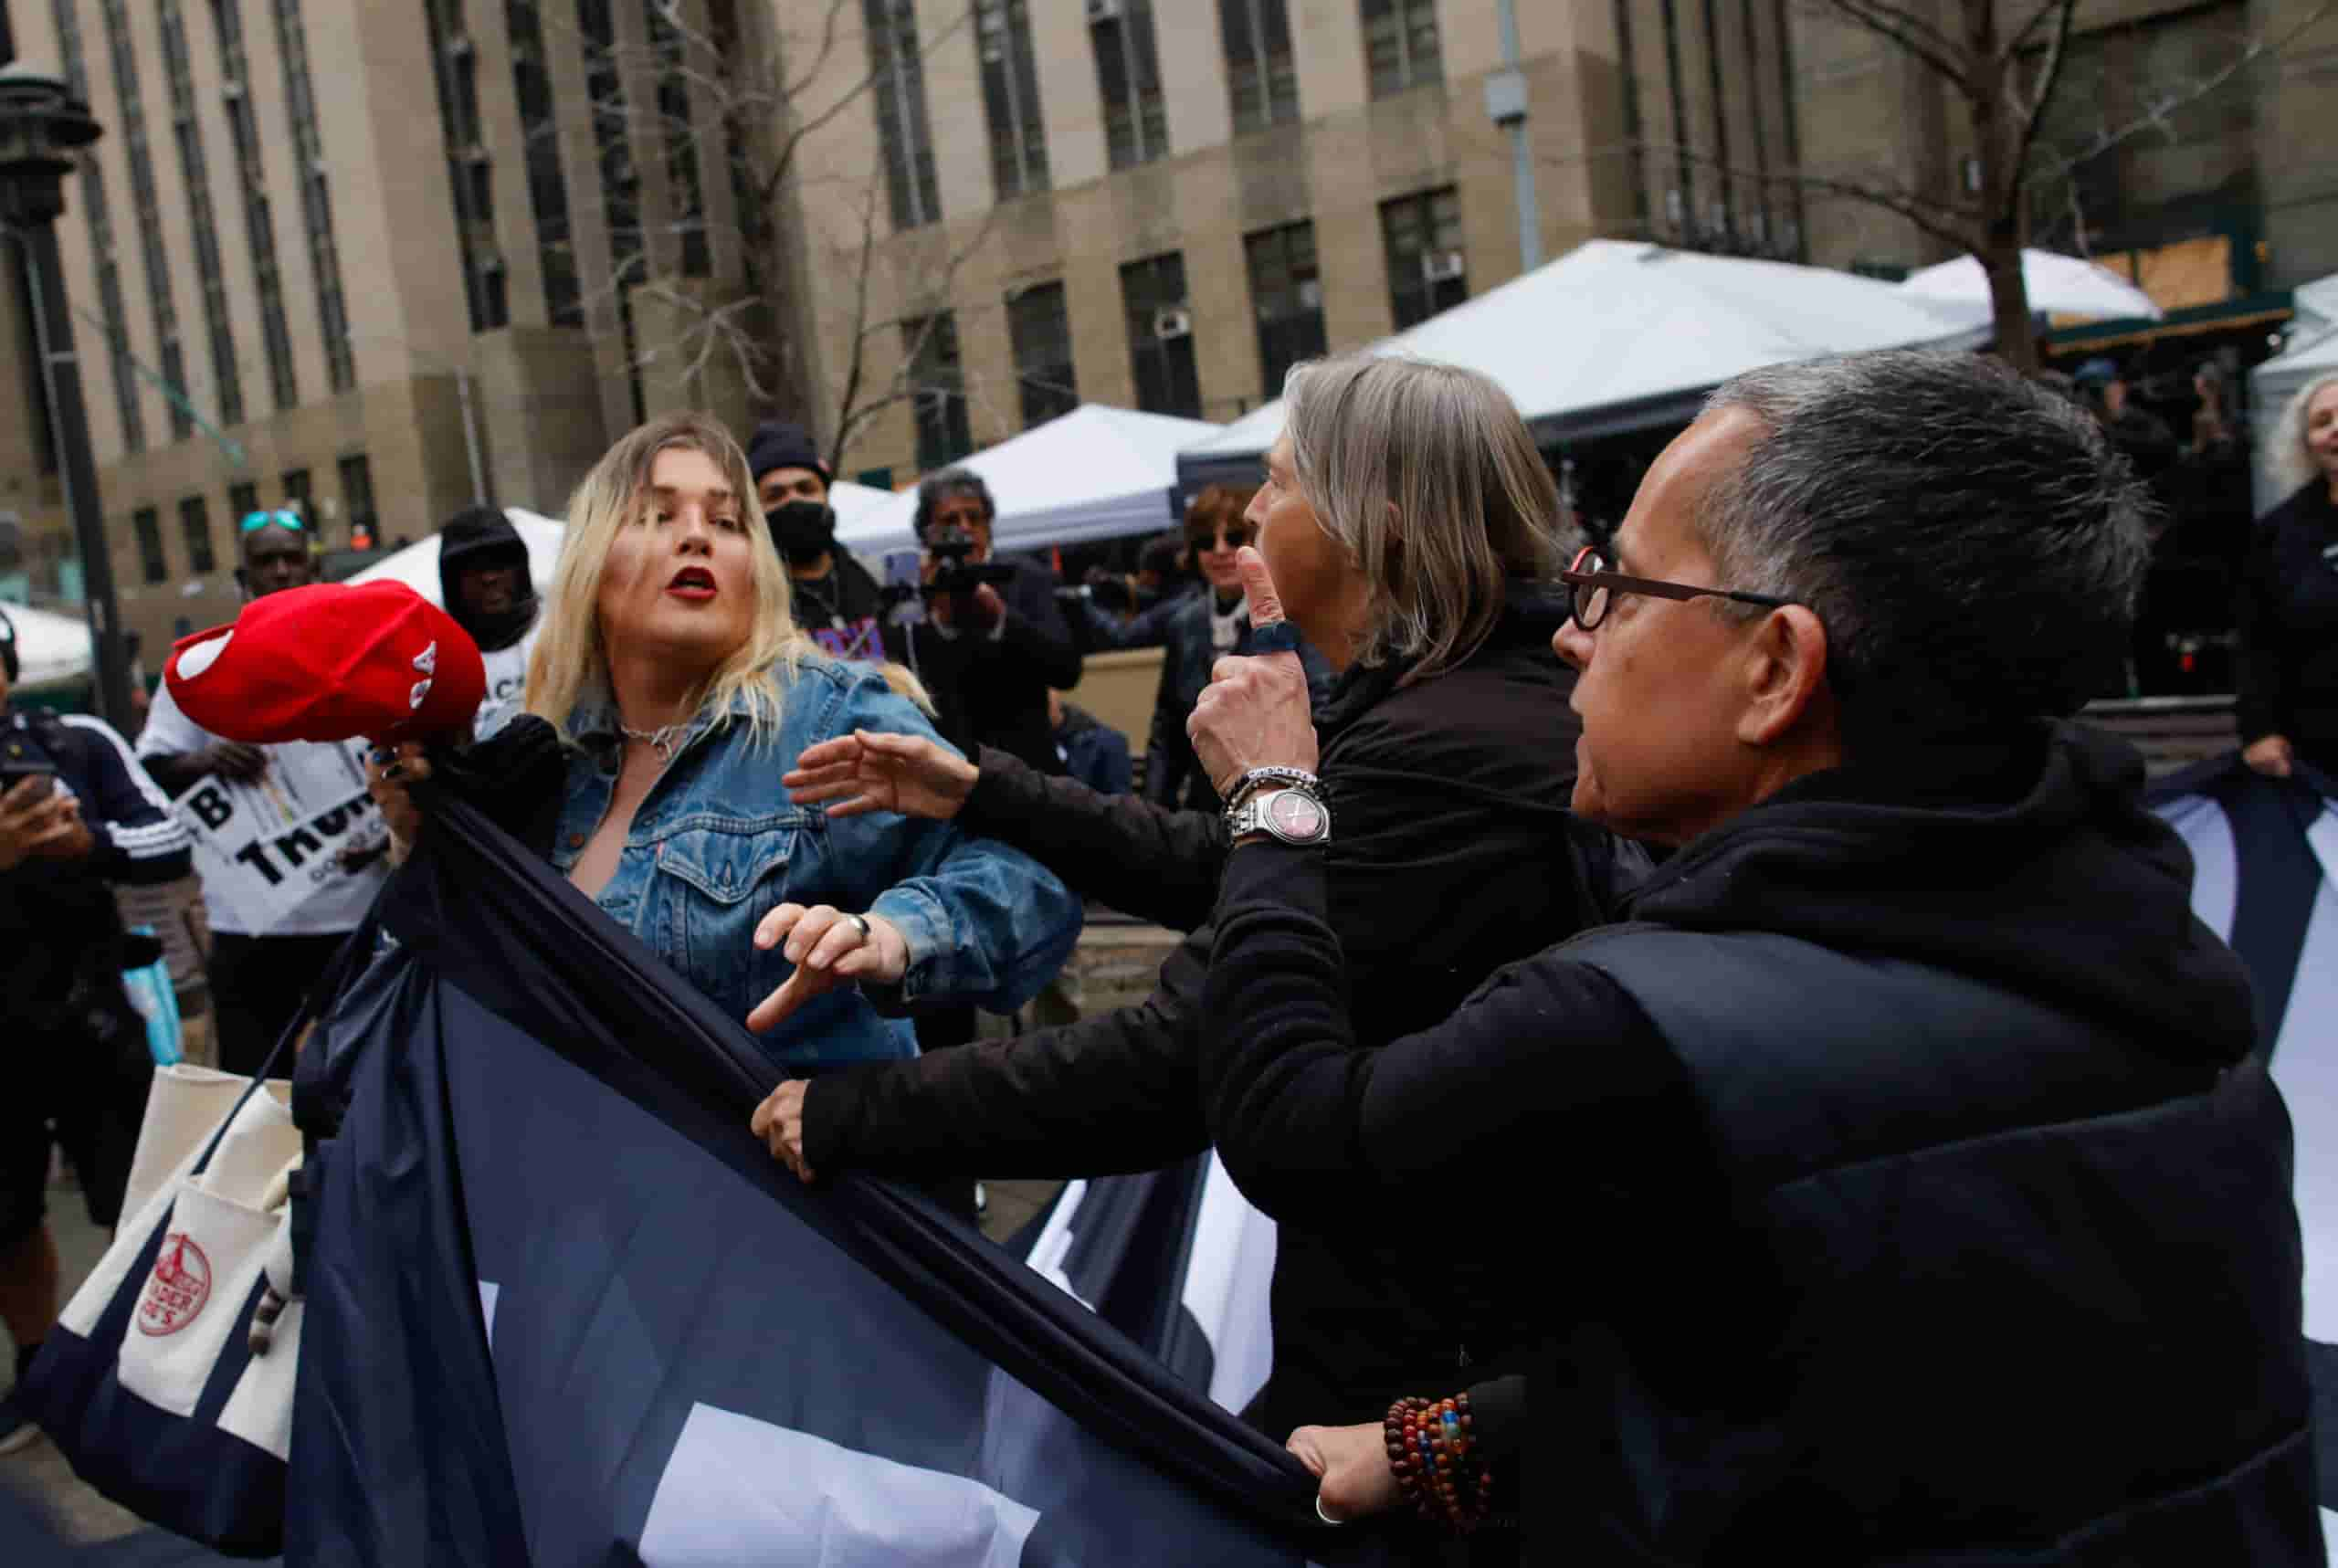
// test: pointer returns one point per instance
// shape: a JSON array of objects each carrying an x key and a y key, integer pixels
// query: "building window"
[
  {"x": 296, "y": 494},
  {"x": 243, "y": 499},
  {"x": 227, "y": 381},
  {"x": 738, "y": 123},
  {"x": 316, "y": 195},
  {"x": 147, "y": 524},
  {"x": 1018, "y": 143},
  {"x": 899, "y": 71},
  {"x": 91, "y": 188},
  {"x": 1161, "y": 336},
  {"x": 547, "y": 192},
  {"x": 194, "y": 527},
  {"x": 357, "y": 493},
  {"x": 1035, "y": 319},
  {"x": 470, "y": 173},
  {"x": 150, "y": 215},
  {"x": 1426, "y": 268},
  {"x": 1400, "y": 44},
  {"x": 684, "y": 194},
  {"x": 937, "y": 390},
  {"x": 1136, "y": 123},
  {"x": 620, "y": 183},
  {"x": 1260, "y": 71},
  {"x": 1288, "y": 295},
  {"x": 259, "y": 225}
]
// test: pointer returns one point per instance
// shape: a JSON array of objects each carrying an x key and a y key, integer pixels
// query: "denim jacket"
[{"x": 717, "y": 844}]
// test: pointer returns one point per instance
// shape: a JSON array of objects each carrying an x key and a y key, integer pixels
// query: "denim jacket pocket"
[{"x": 728, "y": 864}]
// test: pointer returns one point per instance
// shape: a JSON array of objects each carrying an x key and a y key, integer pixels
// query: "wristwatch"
[{"x": 1291, "y": 816}]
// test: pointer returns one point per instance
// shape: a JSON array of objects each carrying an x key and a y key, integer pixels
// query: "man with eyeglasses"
[
  {"x": 1914, "y": 1193},
  {"x": 258, "y": 977}
]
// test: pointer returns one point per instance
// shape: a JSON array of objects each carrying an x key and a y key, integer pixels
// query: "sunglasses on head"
[{"x": 255, "y": 521}]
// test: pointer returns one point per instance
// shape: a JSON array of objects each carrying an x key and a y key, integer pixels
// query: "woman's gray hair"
[
  {"x": 2286, "y": 458},
  {"x": 1428, "y": 480},
  {"x": 1972, "y": 543}
]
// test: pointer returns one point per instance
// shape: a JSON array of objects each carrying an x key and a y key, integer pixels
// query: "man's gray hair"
[{"x": 1972, "y": 543}]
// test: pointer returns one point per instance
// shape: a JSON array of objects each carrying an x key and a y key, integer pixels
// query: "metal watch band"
[{"x": 1258, "y": 815}]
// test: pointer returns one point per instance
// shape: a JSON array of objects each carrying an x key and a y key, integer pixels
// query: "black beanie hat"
[{"x": 779, "y": 445}]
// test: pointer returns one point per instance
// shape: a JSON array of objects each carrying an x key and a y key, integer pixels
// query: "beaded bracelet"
[
  {"x": 1429, "y": 1443},
  {"x": 1249, "y": 783}
]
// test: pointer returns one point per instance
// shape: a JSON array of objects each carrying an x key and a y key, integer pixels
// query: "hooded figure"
[{"x": 484, "y": 575}]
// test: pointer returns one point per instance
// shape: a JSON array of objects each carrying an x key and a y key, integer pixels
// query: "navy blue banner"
[{"x": 563, "y": 1308}]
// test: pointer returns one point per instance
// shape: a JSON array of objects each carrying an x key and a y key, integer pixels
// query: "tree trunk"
[{"x": 2000, "y": 258}]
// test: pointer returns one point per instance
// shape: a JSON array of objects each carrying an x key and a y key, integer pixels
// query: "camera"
[{"x": 955, "y": 572}]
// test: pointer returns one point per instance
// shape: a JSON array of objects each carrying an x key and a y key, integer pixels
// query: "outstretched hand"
[
  {"x": 828, "y": 949},
  {"x": 1254, "y": 713},
  {"x": 874, "y": 770}
]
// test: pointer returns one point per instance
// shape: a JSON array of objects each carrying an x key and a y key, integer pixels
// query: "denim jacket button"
[{"x": 576, "y": 841}]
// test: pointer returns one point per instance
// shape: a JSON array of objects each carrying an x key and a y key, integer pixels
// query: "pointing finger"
[{"x": 1266, "y": 605}]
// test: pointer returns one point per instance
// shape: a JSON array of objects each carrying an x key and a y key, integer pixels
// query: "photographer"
[
  {"x": 995, "y": 639},
  {"x": 75, "y": 813}
]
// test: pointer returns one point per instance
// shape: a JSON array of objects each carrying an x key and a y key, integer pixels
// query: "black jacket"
[
  {"x": 57, "y": 918},
  {"x": 993, "y": 691},
  {"x": 2289, "y": 626},
  {"x": 843, "y": 612},
  {"x": 1453, "y": 851},
  {"x": 1920, "y": 1199}
]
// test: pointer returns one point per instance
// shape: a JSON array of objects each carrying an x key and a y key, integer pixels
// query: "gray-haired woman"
[
  {"x": 2288, "y": 607},
  {"x": 1413, "y": 526}
]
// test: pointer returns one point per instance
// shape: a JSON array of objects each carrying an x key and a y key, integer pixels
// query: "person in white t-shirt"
[
  {"x": 484, "y": 578},
  {"x": 258, "y": 978}
]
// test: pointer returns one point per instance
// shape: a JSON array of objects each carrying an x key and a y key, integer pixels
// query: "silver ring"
[
  {"x": 862, "y": 921},
  {"x": 1326, "y": 1517}
]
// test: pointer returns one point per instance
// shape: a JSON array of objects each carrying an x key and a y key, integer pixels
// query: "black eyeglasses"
[{"x": 1595, "y": 584}]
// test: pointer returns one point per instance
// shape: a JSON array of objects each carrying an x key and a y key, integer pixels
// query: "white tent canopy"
[
  {"x": 1093, "y": 473},
  {"x": 416, "y": 565},
  {"x": 851, "y": 502},
  {"x": 51, "y": 648},
  {"x": 2312, "y": 351},
  {"x": 1617, "y": 336},
  {"x": 2058, "y": 284}
]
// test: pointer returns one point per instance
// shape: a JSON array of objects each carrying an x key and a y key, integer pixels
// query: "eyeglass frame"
[
  {"x": 280, "y": 517},
  {"x": 1615, "y": 583}
]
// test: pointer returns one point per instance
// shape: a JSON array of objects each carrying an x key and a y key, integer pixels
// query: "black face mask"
[{"x": 804, "y": 530}]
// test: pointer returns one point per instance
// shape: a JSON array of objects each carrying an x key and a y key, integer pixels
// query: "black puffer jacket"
[
  {"x": 1920, "y": 1199},
  {"x": 1453, "y": 851}
]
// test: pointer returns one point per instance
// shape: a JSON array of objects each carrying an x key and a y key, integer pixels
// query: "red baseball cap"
[{"x": 331, "y": 662}]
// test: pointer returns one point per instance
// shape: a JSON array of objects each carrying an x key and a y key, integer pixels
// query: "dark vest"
[{"x": 1990, "y": 1282}]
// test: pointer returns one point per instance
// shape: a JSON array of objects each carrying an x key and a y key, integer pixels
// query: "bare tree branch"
[
  {"x": 2032, "y": 113},
  {"x": 1911, "y": 33},
  {"x": 2156, "y": 116}
]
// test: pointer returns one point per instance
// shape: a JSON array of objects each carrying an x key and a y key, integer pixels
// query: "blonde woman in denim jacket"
[{"x": 672, "y": 667}]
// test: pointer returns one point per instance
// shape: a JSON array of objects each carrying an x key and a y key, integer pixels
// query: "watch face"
[{"x": 1294, "y": 816}]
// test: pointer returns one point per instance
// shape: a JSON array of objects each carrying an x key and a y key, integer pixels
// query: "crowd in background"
[{"x": 1415, "y": 729}]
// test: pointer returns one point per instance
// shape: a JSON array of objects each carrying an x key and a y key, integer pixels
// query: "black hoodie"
[
  {"x": 1898, "y": 1182},
  {"x": 483, "y": 537}
]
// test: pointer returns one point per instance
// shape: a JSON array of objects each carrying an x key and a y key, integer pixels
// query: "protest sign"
[{"x": 269, "y": 851}]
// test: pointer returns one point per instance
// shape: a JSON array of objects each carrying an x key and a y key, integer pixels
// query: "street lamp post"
[{"x": 42, "y": 125}]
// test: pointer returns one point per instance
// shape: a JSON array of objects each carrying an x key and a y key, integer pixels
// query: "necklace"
[
  {"x": 820, "y": 592},
  {"x": 662, "y": 739}
]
